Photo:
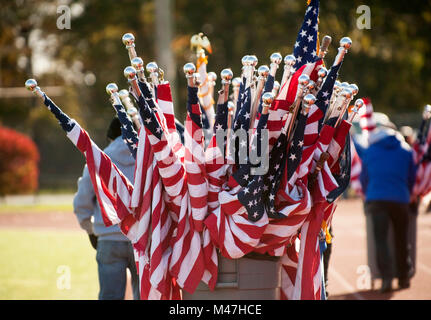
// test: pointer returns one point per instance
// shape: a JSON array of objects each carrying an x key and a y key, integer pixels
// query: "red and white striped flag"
[{"x": 187, "y": 262}]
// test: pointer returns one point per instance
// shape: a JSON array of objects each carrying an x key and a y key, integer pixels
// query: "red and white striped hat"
[{"x": 366, "y": 120}]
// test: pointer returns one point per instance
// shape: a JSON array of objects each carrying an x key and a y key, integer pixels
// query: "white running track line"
[
  {"x": 345, "y": 284},
  {"x": 424, "y": 268}
]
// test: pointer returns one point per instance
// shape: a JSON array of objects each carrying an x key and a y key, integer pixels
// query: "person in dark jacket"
[
  {"x": 387, "y": 178},
  {"x": 114, "y": 251}
]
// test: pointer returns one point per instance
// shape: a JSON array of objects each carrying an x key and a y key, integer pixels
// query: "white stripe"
[{"x": 345, "y": 283}]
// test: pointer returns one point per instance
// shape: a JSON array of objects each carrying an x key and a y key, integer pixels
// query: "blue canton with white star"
[
  {"x": 128, "y": 133},
  {"x": 305, "y": 46},
  {"x": 323, "y": 97},
  {"x": 66, "y": 123}
]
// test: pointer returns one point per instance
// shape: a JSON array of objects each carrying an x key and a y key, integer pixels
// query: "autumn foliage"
[{"x": 19, "y": 158}]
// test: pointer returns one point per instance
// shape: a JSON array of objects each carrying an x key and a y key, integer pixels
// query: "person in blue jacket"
[
  {"x": 114, "y": 250},
  {"x": 387, "y": 178}
]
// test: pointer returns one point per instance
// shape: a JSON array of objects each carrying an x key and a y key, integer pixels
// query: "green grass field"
[
  {"x": 48, "y": 265},
  {"x": 35, "y": 208}
]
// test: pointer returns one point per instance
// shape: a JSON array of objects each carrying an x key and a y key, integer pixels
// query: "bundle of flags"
[
  {"x": 267, "y": 176},
  {"x": 422, "y": 156}
]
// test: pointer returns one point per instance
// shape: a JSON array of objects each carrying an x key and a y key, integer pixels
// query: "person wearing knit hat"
[
  {"x": 387, "y": 178},
  {"x": 366, "y": 116}
]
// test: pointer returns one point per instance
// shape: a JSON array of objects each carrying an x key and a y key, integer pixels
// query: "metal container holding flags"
[{"x": 257, "y": 278}]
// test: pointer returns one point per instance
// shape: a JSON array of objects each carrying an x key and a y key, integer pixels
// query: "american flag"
[
  {"x": 340, "y": 159},
  {"x": 228, "y": 223},
  {"x": 241, "y": 97},
  {"x": 216, "y": 170},
  {"x": 229, "y": 227},
  {"x": 243, "y": 175},
  {"x": 153, "y": 252},
  {"x": 422, "y": 157},
  {"x": 269, "y": 85},
  {"x": 242, "y": 122},
  {"x": 215, "y": 163},
  {"x": 187, "y": 260},
  {"x": 128, "y": 133},
  {"x": 114, "y": 193},
  {"x": 251, "y": 195},
  {"x": 324, "y": 95},
  {"x": 306, "y": 42},
  {"x": 288, "y": 201},
  {"x": 195, "y": 159},
  {"x": 289, "y": 265},
  {"x": 284, "y": 160},
  {"x": 149, "y": 288},
  {"x": 112, "y": 188},
  {"x": 422, "y": 185}
]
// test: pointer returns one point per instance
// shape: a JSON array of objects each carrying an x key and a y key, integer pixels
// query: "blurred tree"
[
  {"x": 389, "y": 62},
  {"x": 18, "y": 163}
]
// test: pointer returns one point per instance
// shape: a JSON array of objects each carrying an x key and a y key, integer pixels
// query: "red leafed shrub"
[{"x": 19, "y": 158}]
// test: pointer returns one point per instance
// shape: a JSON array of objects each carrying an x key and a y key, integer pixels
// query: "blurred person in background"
[
  {"x": 114, "y": 251},
  {"x": 387, "y": 178},
  {"x": 409, "y": 136}
]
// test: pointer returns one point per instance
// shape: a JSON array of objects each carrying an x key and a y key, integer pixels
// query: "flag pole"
[
  {"x": 289, "y": 62},
  {"x": 263, "y": 72}
]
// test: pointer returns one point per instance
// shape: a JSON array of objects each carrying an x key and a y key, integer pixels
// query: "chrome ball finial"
[
  {"x": 252, "y": 60},
  {"x": 130, "y": 73},
  {"x": 309, "y": 99},
  {"x": 346, "y": 43},
  {"x": 268, "y": 98},
  {"x": 359, "y": 103},
  {"x": 311, "y": 85},
  {"x": 31, "y": 84},
  {"x": 111, "y": 88},
  {"x": 322, "y": 73},
  {"x": 226, "y": 75},
  {"x": 137, "y": 63},
  {"x": 276, "y": 58},
  {"x": 427, "y": 112},
  {"x": 244, "y": 61},
  {"x": 344, "y": 85},
  {"x": 289, "y": 60},
  {"x": 152, "y": 67},
  {"x": 263, "y": 71},
  {"x": 189, "y": 69},
  {"x": 303, "y": 80},
  {"x": 354, "y": 88},
  {"x": 346, "y": 93},
  {"x": 128, "y": 40}
]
